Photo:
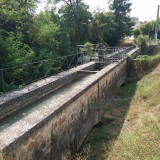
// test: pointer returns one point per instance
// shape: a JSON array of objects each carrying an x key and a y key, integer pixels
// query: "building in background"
[{"x": 137, "y": 22}]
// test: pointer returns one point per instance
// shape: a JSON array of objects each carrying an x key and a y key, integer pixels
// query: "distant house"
[{"x": 136, "y": 22}]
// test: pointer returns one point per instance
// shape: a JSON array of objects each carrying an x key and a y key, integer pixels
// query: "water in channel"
[{"x": 42, "y": 102}]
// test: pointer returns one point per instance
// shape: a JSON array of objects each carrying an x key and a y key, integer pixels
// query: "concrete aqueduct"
[{"x": 60, "y": 125}]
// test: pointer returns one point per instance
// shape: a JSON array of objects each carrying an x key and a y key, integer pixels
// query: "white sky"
[{"x": 145, "y": 10}]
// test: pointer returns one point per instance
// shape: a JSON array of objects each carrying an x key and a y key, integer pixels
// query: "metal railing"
[
  {"x": 99, "y": 54},
  {"x": 15, "y": 77}
]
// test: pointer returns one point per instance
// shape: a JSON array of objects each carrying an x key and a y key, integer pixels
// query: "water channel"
[{"x": 5, "y": 123}]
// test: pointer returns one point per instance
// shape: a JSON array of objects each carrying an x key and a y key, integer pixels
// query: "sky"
[{"x": 145, "y": 10}]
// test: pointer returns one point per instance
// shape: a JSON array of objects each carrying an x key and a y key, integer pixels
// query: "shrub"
[
  {"x": 142, "y": 41},
  {"x": 149, "y": 58},
  {"x": 142, "y": 62},
  {"x": 136, "y": 32},
  {"x": 89, "y": 47},
  {"x": 151, "y": 50}
]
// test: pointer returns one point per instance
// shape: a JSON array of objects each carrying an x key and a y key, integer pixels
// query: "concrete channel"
[{"x": 47, "y": 119}]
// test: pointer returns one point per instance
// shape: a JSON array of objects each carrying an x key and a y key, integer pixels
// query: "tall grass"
[{"x": 139, "y": 138}]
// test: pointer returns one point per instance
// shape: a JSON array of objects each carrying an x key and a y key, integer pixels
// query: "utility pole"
[
  {"x": 156, "y": 28},
  {"x": 149, "y": 27}
]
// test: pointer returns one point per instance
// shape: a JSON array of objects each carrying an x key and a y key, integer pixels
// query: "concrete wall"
[
  {"x": 20, "y": 98},
  {"x": 50, "y": 133},
  {"x": 135, "y": 52}
]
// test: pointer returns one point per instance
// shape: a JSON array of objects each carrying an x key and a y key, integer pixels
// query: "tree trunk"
[{"x": 76, "y": 19}]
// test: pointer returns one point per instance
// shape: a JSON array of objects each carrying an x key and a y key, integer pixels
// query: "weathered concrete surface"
[
  {"x": 49, "y": 132},
  {"x": 124, "y": 51},
  {"x": 20, "y": 98},
  {"x": 134, "y": 52}
]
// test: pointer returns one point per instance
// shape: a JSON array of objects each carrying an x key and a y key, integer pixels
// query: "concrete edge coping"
[
  {"x": 133, "y": 51},
  {"x": 16, "y": 134},
  {"x": 41, "y": 83}
]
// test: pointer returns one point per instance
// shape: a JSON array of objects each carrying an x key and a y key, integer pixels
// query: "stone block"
[
  {"x": 34, "y": 135},
  {"x": 39, "y": 139},
  {"x": 31, "y": 146},
  {"x": 55, "y": 124}
]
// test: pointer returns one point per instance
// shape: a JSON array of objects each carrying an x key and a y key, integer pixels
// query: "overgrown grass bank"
[{"x": 130, "y": 129}]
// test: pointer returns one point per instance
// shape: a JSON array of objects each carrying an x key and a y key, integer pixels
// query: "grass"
[
  {"x": 130, "y": 129},
  {"x": 140, "y": 134},
  {"x": 126, "y": 43}
]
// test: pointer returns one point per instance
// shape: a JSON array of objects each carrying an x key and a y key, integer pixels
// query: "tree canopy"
[
  {"x": 121, "y": 10},
  {"x": 147, "y": 29},
  {"x": 27, "y": 36}
]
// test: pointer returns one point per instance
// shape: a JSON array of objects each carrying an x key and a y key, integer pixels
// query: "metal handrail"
[{"x": 65, "y": 63}]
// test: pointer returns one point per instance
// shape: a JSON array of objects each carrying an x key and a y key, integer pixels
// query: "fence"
[{"x": 18, "y": 76}]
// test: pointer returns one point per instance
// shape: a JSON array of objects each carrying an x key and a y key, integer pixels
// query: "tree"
[
  {"x": 71, "y": 25},
  {"x": 148, "y": 29},
  {"x": 76, "y": 14},
  {"x": 136, "y": 32},
  {"x": 121, "y": 10},
  {"x": 102, "y": 28},
  {"x": 16, "y": 17},
  {"x": 73, "y": 6}
]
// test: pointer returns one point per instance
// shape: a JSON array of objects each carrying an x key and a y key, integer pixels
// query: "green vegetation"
[
  {"x": 121, "y": 8},
  {"x": 103, "y": 28},
  {"x": 27, "y": 37},
  {"x": 142, "y": 41},
  {"x": 147, "y": 60},
  {"x": 136, "y": 33},
  {"x": 145, "y": 32},
  {"x": 146, "y": 29},
  {"x": 130, "y": 128}
]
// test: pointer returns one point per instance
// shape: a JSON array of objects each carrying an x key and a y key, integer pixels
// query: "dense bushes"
[
  {"x": 27, "y": 37},
  {"x": 142, "y": 41},
  {"x": 146, "y": 29},
  {"x": 142, "y": 62},
  {"x": 136, "y": 32},
  {"x": 145, "y": 61},
  {"x": 145, "y": 33}
]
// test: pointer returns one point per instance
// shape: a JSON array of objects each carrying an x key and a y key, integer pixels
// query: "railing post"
[
  {"x": 95, "y": 54},
  {"x": 112, "y": 56},
  {"x": 67, "y": 61},
  {"x": 3, "y": 85},
  {"x": 75, "y": 60},
  {"x": 83, "y": 57},
  {"x": 100, "y": 52},
  {"x": 77, "y": 54},
  {"x": 26, "y": 71}
]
